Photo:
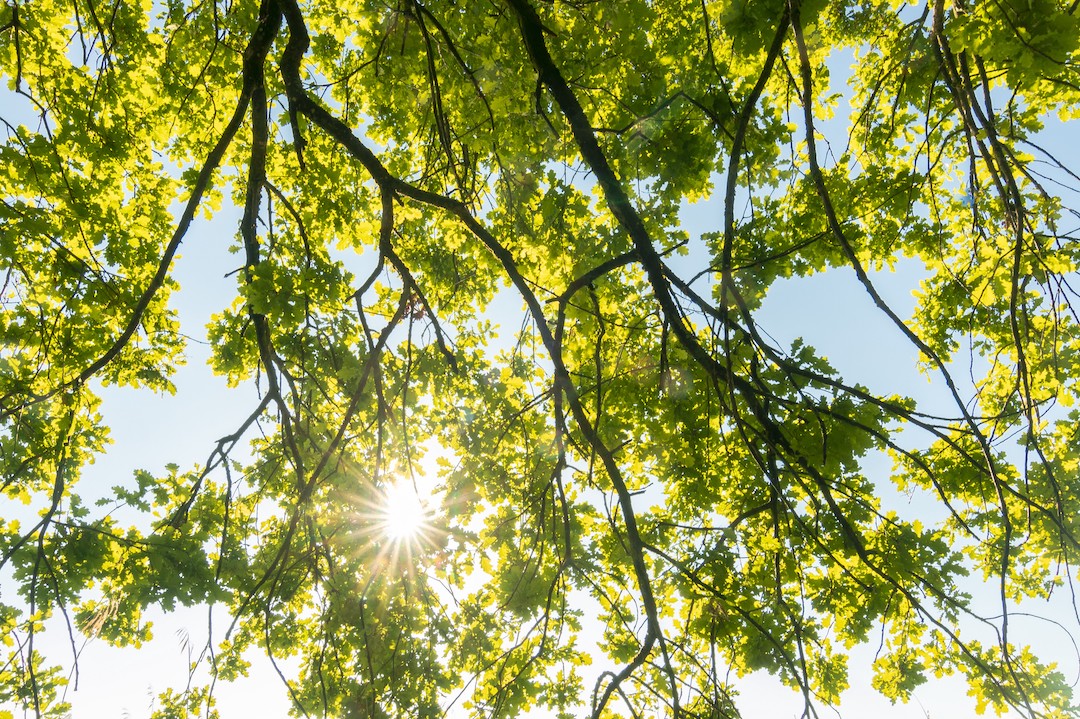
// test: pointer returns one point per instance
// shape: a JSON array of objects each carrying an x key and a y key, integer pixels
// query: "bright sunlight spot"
[{"x": 405, "y": 515}]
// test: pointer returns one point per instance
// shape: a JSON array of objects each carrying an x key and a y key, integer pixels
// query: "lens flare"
[
  {"x": 405, "y": 515},
  {"x": 393, "y": 523}
]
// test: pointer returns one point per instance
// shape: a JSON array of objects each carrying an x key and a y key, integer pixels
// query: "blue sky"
[{"x": 831, "y": 311}]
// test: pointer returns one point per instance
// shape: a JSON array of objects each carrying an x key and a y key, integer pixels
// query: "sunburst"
[
  {"x": 404, "y": 515},
  {"x": 395, "y": 523}
]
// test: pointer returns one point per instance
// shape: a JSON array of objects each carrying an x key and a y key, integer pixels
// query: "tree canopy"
[{"x": 640, "y": 462}]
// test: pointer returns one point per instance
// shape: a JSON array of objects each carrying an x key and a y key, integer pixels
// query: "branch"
[{"x": 254, "y": 55}]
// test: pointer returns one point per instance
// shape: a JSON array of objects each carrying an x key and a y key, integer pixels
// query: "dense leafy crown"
[{"x": 642, "y": 495}]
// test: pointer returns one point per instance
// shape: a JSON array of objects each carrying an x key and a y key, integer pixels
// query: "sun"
[{"x": 404, "y": 514}]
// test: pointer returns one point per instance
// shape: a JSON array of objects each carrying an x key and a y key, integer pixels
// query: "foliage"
[{"x": 641, "y": 462}]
